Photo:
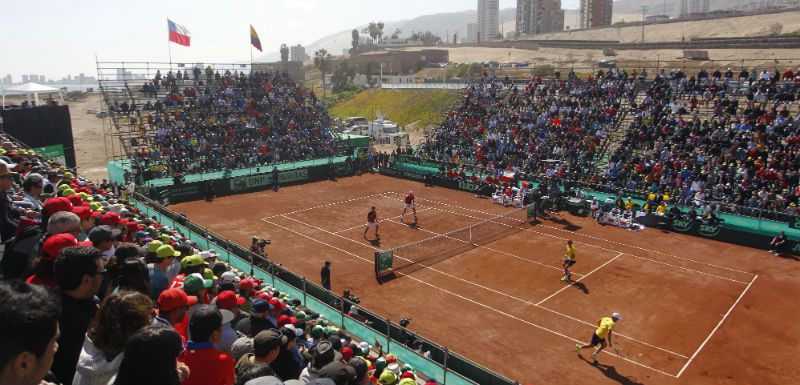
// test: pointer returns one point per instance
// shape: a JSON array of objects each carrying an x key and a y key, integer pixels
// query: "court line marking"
[
  {"x": 387, "y": 219},
  {"x": 474, "y": 301},
  {"x": 605, "y": 249},
  {"x": 593, "y": 237},
  {"x": 330, "y": 204},
  {"x": 696, "y": 352},
  {"x": 579, "y": 279},
  {"x": 482, "y": 286},
  {"x": 538, "y": 305}
]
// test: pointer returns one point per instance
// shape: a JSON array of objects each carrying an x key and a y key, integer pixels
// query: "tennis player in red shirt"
[
  {"x": 372, "y": 221},
  {"x": 410, "y": 203}
]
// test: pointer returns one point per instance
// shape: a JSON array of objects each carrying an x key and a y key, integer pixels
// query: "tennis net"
[{"x": 442, "y": 246}]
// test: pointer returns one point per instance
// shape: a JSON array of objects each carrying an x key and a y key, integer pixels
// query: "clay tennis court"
[{"x": 695, "y": 311}]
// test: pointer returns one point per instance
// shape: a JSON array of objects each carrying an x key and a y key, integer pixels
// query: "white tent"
[{"x": 32, "y": 89}]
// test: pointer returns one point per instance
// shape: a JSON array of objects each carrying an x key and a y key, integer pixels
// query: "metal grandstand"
[{"x": 121, "y": 82}]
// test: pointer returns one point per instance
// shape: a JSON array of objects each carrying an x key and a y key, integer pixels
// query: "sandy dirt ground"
[
  {"x": 756, "y": 25},
  {"x": 87, "y": 133}
]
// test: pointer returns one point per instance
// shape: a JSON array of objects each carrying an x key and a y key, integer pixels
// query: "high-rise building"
[
  {"x": 539, "y": 16},
  {"x": 488, "y": 20},
  {"x": 472, "y": 33},
  {"x": 596, "y": 13},
  {"x": 24, "y": 78},
  {"x": 684, "y": 8},
  {"x": 297, "y": 53}
]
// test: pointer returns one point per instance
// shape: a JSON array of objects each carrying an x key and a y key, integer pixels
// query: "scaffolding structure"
[{"x": 122, "y": 83}]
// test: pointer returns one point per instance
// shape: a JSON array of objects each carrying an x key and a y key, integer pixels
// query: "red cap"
[
  {"x": 405, "y": 374},
  {"x": 228, "y": 299},
  {"x": 264, "y": 296},
  {"x": 347, "y": 353},
  {"x": 25, "y": 222},
  {"x": 171, "y": 299},
  {"x": 132, "y": 226},
  {"x": 283, "y": 320},
  {"x": 75, "y": 199},
  {"x": 246, "y": 284},
  {"x": 110, "y": 219},
  {"x": 277, "y": 303},
  {"x": 390, "y": 359},
  {"x": 53, "y": 245},
  {"x": 82, "y": 212},
  {"x": 54, "y": 205}
]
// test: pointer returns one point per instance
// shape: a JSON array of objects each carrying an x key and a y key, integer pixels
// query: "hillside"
[
  {"x": 755, "y": 25},
  {"x": 441, "y": 24},
  {"x": 405, "y": 107}
]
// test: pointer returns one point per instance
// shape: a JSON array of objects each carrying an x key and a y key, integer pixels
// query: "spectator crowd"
[
  {"x": 713, "y": 141},
  {"x": 95, "y": 292},
  {"x": 196, "y": 123}
]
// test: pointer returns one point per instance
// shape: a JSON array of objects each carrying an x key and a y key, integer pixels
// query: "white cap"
[
  {"x": 364, "y": 346},
  {"x": 616, "y": 315},
  {"x": 227, "y": 277}
]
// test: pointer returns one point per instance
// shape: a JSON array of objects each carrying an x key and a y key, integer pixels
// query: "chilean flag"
[{"x": 178, "y": 33}]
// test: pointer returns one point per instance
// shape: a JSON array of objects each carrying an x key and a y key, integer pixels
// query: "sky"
[{"x": 56, "y": 38}]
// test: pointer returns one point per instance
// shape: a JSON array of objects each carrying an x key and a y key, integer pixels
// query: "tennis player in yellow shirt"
[
  {"x": 569, "y": 260},
  {"x": 604, "y": 331}
]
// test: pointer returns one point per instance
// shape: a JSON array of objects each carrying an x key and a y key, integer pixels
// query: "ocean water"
[{"x": 69, "y": 87}]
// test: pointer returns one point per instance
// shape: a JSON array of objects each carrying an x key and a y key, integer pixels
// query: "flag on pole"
[
  {"x": 178, "y": 33},
  {"x": 254, "y": 40}
]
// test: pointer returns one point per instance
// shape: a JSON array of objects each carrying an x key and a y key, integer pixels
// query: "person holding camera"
[{"x": 325, "y": 274}]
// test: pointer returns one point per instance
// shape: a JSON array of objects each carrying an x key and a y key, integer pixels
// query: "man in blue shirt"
[{"x": 159, "y": 282}]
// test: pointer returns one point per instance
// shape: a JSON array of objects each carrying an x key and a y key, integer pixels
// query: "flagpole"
[
  {"x": 251, "y": 50},
  {"x": 169, "y": 46}
]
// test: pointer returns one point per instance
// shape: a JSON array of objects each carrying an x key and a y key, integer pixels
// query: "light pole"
[{"x": 644, "y": 9}]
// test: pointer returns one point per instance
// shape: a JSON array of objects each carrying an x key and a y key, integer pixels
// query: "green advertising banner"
[
  {"x": 531, "y": 210},
  {"x": 383, "y": 261},
  {"x": 54, "y": 152}
]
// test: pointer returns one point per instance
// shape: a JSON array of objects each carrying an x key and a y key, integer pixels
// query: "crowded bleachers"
[
  {"x": 713, "y": 142},
  {"x": 211, "y": 121},
  {"x": 549, "y": 127},
  {"x": 110, "y": 296},
  {"x": 716, "y": 141}
]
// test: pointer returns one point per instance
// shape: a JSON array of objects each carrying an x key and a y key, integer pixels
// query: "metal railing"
[
  {"x": 423, "y": 354},
  {"x": 759, "y": 213}
]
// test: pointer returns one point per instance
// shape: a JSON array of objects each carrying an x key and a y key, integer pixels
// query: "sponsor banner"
[
  {"x": 685, "y": 226},
  {"x": 54, "y": 152},
  {"x": 243, "y": 183}
]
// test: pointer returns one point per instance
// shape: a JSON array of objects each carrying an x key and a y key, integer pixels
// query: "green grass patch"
[{"x": 400, "y": 106}]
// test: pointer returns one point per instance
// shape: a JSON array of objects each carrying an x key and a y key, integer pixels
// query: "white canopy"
[
  {"x": 32, "y": 89},
  {"x": 29, "y": 88}
]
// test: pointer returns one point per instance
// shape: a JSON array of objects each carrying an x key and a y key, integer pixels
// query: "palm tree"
[
  {"x": 379, "y": 31},
  {"x": 322, "y": 60},
  {"x": 369, "y": 70},
  {"x": 356, "y": 37},
  {"x": 284, "y": 56}
]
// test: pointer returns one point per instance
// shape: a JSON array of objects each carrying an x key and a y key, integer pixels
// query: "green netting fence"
[{"x": 447, "y": 367}]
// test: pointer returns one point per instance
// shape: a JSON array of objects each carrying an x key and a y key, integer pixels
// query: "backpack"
[{"x": 19, "y": 252}]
